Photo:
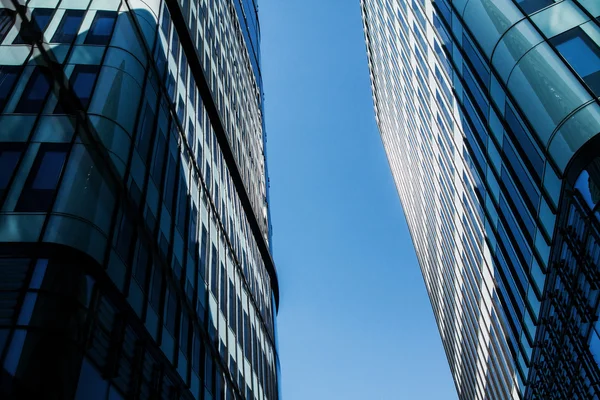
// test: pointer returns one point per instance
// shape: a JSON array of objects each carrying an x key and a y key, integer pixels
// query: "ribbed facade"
[
  {"x": 489, "y": 115},
  {"x": 135, "y": 256}
]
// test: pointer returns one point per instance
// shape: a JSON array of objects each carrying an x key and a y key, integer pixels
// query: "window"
[
  {"x": 7, "y": 20},
  {"x": 169, "y": 187},
  {"x": 35, "y": 93},
  {"x": 82, "y": 83},
  {"x": 159, "y": 157},
  {"x": 184, "y": 334},
  {"x": 68, "y": 27},
  {"x": 102, "y": 28},
  {"x": 203, "y": 242},
  {"x": 40, "y": 187},
  {"x": 531, "y": 6},
  {"x": 140, "y": 266},
  {"x": 196, "y": 352},
  {"x": 171, "y": 312},
  {"x": 156, "y": 287},
  {"x": 40, "y": 17},
  {"x": 182, "y": 205},
  {"x": 175, "y": 46},
  {"x": 10, "y": 153},
  {"x": 165, "y": 23},
  {"x": 582, "y": 54},
  {"x": 8, "y": 78},
  {"x": 124, "y": 236},
  {"x": 183, "y": 67},
  {"x": 144, "y": 137}
]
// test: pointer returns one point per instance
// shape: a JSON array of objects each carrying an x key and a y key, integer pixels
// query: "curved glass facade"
[
  {"x": 134, "y": 222},
  {"x": 488, "y": 111}
]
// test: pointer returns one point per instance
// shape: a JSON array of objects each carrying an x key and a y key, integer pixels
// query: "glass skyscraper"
[
  {"x": 135, "y": 255},
  {"x": 489, "y": 114}
]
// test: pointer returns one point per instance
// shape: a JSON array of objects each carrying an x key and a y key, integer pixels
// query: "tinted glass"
[
  {"x": 9, "y": 157},
  {"x": 49, "y": 170},
  {"x": 582, "y": 54},
  {"x": 531, "y": 6},
  {"x": 7, "y": 20},
  {"x": 35, "y": 92},
  {"x": 102, "y": 28},
  {"x": 69, "y": 26},
  {"x": 8, "y": 77},
  {"x": 40, "y": 18}
]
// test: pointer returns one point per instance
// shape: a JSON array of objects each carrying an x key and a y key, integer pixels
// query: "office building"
[
  {"x": 489, "y": 115},
  {"x": 135, "y": 256}
]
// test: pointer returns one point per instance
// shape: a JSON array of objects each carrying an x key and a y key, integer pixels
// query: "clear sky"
[{"x": 354, "y": 320}]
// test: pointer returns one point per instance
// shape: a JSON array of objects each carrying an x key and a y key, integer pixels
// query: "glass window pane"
[
  {"x": 531, "y": 6},
  {"x": 38, "y": 193},
  {"x": 8, "y": 78},
  {"x": 7, "y": 20},
  {"x": 8, "y": 162},
  {"x": 40, "y": 17},
  {"x": 102, "y": 28},
  {"x": 582, "y": 54},
  {"x": 35, "y": 92},
  {"x": 69, "y": 26}
]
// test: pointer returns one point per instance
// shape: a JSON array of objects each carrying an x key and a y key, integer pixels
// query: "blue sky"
[{"x": 354, "y": 321}]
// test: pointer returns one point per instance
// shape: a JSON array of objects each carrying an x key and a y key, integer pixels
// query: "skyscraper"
[
  {"x": 489, "y": 115},
  {"x": 135, "y": 255}
]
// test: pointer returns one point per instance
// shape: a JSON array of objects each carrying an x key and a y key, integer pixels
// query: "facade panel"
[{"x": 488, "y": 111}]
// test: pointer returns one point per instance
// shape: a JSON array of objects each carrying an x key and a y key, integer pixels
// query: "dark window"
[
  {"x": 159, "y": 158},
  {"x": 175, "y": 46},
  {"x": 7, "y": 20},
  {"x": 213, "y": 269},
  {"x": 208, "y": 373},
  {"x": 156, "y": 287},
  {"x": 193, "y": 234},
  {"x": 197, "y": 352},
  {"x": 165, "y": 23},
  {"x": 582, "y": 54},
  {"x": 223, "y": 290},
  {"x": 68, "y": 27},
  {"x": 144, "y": 137},
  {"x": 184, "y": 334},
  {"x": 38, "y": 193},
  {"x": 124, "y": 236},
  {"x": 8, "y": 78},
  {"x": 232, "y": 303},
  {"x": 182, "y": 205},
  {"x": 202, "y": 267},
  {"x": 169, "y": 187},
  {"x": 102, "y": 28},
  {"x": 35, "y": 93},
  {"x": 10, "y": 153},
  {"x": 82, "y": 83},
  {"x": 183, "y": 67},
  {"x": 477, "y": 62},
  {"x": 524, "y": 144},
  {"x": 181, "y": 110},
  {"x": 171, "y": 312},
  {"x": 140, "y": 266},
  {"x": 40, "y": 17},
  {"x": 192, "y": 91},
  {"x": 190, "y": 134},
  {"x": 171, "y": 86},
  {"x": 531, "y": 6}
]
